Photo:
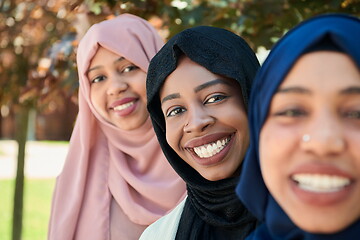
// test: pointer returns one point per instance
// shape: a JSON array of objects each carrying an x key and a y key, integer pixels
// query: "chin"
[{"x": 213, "y": 177}]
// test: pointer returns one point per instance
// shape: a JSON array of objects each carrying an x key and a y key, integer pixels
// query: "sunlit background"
[{"x": 38, "y": 79}]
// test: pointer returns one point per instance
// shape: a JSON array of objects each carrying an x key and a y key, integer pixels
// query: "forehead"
[
  {"x": 323, "y": 69},
  {"x": 182, "y": 78},
  {"x": 186, "y": 68},
  {"x": 186, "y": 76},
  {"x": 102, "y": 52},
  {"x": 104, "y": 56}
]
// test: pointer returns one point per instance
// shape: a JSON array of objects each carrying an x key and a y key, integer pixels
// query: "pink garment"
[{"x": 105, "y": 162}]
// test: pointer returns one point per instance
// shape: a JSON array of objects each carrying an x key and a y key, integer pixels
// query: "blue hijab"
[{"x": 344, "y": 33}]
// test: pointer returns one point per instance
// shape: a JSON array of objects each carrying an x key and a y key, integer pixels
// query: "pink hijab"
[{"x": 105, "y": 162}]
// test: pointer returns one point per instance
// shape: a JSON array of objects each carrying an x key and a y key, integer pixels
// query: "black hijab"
[{"x": 212, "y": 210}]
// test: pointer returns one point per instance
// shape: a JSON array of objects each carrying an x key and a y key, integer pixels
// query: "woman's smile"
[
  {"x": 211, "y": 149},
  {"x": 321, "y": 184},
  {"x": 211, "y": 153},
  {"x": 125, "y": 106},
  {"x": 117, "y": 90},
  {"x": 207, "y": 118}
]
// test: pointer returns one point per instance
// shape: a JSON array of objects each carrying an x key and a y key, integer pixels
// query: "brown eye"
[
  {"x": 98, "y": 79},
  {"x": 175, "y": 111},
  {"x": 130, "y": 68},
  {"x": 291, "y": 113},
  {"x": 353, "y": 114},
  {"x": 215, "y": 98}
]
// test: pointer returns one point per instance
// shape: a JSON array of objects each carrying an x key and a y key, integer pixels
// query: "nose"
[
  {"x": 116, "y": 85},
  {"x": 198, "y": 119},
  {"x": 324, "y": 136}
]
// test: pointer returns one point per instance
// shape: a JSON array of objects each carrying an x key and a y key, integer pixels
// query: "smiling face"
[
  {"x": 309, "y": 144},
  {"x": 118, "y": 90},
  {"x": 206, "y": 122}
]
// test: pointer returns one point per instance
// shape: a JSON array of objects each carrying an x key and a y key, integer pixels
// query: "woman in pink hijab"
[{"x": 116, "y": 180}]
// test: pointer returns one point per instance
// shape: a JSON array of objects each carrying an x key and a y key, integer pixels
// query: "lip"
[
  {"x": 217, "y": 158},
  {"x": 321, "y": 168},
  {"x": 196, "y": 142},
  {"x": 122, "y": 101},
  {"x": 322, "y": 198},
  {"x": 126, "y": 111}
]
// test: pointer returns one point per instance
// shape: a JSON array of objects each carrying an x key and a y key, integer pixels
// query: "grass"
[
  {"x": 54, "y": 142},
  {"x": 37, "y": 202}
]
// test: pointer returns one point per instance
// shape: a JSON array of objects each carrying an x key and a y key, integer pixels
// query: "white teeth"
[
  {"x": 204, "y": 151},
  {"x": 123, "y": 106},
  {"x": 209, "y": 150},
  {"x": 320, "y": 182}
]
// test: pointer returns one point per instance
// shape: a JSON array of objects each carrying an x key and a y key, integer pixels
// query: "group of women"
[{"x": 194, "y": 140}]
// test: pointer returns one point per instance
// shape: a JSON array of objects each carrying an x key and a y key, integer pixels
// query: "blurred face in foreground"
[
  {"x": 206, "y": 122},
  {"x": 118, "y": 90},
  {"x": 309, "y": 144}
]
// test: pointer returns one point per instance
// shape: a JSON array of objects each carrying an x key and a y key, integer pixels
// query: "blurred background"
[{"x": 38, "y": 79}]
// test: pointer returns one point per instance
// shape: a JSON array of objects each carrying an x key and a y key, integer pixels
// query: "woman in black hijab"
[{"x": 197, "y": 88}]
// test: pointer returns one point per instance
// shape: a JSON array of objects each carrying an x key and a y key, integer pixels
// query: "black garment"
[{"x": 212, "y": 210}]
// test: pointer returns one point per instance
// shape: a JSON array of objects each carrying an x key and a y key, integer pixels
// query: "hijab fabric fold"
[
  {"x": 212, "y": 210},
  {"x": 105, "y": 162},
  {"x": 343, "y": 31}
]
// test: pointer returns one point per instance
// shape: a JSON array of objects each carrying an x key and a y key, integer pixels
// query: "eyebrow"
[
  {"x": 293, "y": 90},
  {"x": 346, "y": 91},
  {"x": 170, "y": 97},
  {"x": 97, "y": 67},
  {"x": 350, "y": 90},
  {"x": 196, "y": 89},
  {"x": 211, "y": 83}
]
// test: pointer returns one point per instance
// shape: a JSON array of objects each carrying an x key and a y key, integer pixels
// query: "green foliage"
[
  {"x": 28, "y": 30},
  {"x": 34, "y": 34},
  {"x": 260, "y": 22},
  {"x": 265, "y": 21}
]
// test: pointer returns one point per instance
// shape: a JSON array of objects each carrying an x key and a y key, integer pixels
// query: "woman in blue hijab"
[{"x": 301, "y": 175}]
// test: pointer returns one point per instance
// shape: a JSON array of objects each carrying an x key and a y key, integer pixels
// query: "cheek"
[
  {"x": 96, "y": 99},
  {"x": 271, "y": 156},
  {"x": 243, "y": 131},
  {"x": 242, "y": 126},
  {"x": 174, "y": 136},
  {"x": 93, "y": 94},
  {"x": 170, "y": 138},
  {"x": 278, "y": 150},
  {"x": 353, "y": 139},
  {"x": 139, "y": 85},
  {"x": 233, "y": 115}
]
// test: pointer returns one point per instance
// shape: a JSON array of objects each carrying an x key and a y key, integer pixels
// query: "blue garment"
[{"x": 344, "y": 33}]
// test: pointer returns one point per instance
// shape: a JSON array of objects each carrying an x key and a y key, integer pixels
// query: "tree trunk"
[
  {"x": 1, "y": 123},
  {"x": 21, "y": 121}
]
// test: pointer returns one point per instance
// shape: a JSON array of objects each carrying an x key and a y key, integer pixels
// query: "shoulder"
[{"x": 165, "y": 227}]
